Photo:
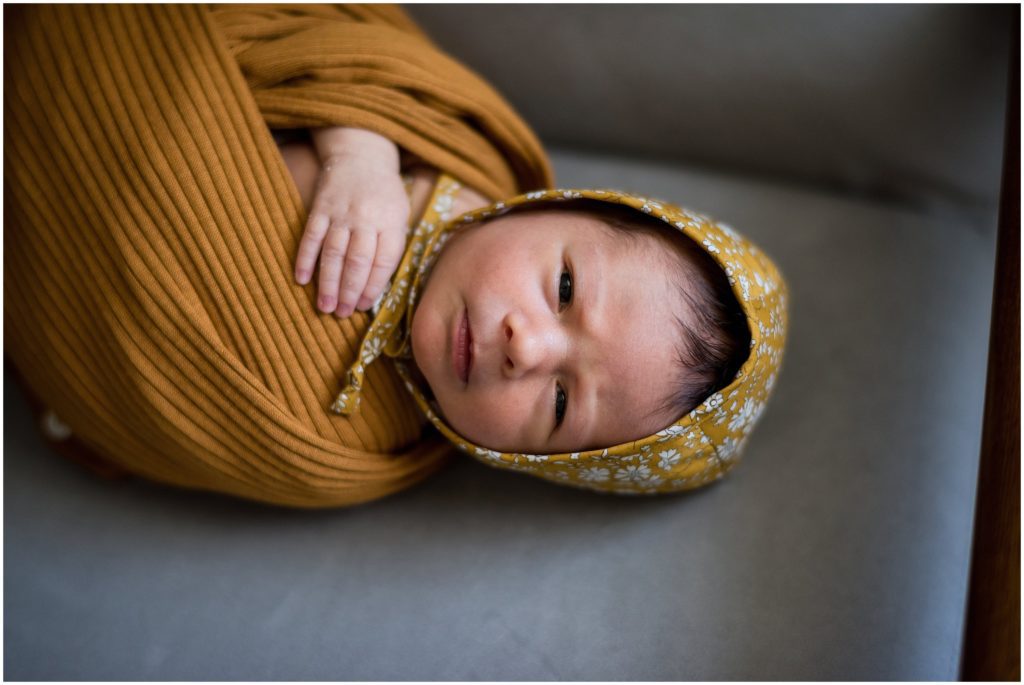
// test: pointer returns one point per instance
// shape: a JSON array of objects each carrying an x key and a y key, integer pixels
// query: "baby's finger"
[
  {"x": 335, "y": 247},
  {"x": 358, "y": 260},
  {"x": 309, "y": 247},
  {"x": 389, "y": 250}
]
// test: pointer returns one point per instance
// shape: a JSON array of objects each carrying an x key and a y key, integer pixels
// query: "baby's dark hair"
[{"x": 710, "y": 352}]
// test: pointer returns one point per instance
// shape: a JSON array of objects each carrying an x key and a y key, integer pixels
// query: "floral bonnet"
[{"x": 698, "y": 448}]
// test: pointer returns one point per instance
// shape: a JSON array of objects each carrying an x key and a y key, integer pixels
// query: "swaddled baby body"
[
  {"x": 563, "y": 328},
  {"x": 172, "y": 342}
]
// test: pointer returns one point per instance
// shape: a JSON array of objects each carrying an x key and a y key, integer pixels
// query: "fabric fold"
[{"x": 375, "y": 69}]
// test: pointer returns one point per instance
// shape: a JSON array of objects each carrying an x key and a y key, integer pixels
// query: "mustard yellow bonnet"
[{"x": 699, "y": 448}]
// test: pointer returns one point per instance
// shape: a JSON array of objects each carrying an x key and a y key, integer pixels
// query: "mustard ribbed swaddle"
[{"x": 151, "y": 228}]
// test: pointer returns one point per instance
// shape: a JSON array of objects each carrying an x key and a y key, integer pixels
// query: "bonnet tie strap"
[{"x": 389, "y": 331}]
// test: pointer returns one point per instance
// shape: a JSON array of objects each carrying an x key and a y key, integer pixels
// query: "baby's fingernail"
[
  {"x": 302, "y": 277},
  {"x": 364, "y": 303},
  {"x": 344, "y": 310},
  {"x": 326, "y": 304}
]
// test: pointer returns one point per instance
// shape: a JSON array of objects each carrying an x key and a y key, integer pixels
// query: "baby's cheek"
[{"x": 490, "y": 423}]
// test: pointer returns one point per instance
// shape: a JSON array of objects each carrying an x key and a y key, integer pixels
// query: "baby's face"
[{"x": 537, "y": 317}]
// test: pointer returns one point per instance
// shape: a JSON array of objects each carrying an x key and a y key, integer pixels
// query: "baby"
[
  {"x": 590, "y": 337},
  {"x": 559, "y": 329}
]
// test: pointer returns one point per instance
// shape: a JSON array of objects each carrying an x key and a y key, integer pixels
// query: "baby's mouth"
[
  {"x": 462, "y": 349},
  {"x": 469, "y": 348}
]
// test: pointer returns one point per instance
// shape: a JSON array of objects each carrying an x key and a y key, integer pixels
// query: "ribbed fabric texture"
[
  {"x": 310, "y": 65},
  {"x": 151, "y": 228}
]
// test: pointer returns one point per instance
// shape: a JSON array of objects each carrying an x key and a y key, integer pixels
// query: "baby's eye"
[
  {"x": 560, "y": 400},
  {"x": 564, "y": 289}
]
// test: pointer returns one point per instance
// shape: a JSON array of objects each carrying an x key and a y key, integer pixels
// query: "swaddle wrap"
[
  {"x": 699, "y": 448},
  {"x": 151, "y": 228}
]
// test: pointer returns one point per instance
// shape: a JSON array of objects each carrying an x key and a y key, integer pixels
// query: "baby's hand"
[{"x": 359, "y": 217}]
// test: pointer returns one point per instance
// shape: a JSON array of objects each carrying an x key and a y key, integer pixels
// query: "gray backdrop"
[{"x": 859, "y": 146}]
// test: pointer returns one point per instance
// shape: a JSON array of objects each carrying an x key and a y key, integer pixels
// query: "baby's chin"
[{"x": 436, "y": 405}]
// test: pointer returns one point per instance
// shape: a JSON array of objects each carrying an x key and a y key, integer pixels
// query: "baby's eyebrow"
[{"x": 587, "y": 273}]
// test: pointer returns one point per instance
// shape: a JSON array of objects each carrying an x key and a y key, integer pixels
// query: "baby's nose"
[{"x": 528, "y": 348}]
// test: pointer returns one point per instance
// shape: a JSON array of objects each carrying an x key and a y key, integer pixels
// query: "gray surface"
[
  {"x": 838, "y": 549},
  {"x": 892, "y": 100}
]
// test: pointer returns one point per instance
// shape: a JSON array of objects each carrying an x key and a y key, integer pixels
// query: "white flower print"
[
  {"x": 729, "y": 448},
  {"x": 374, "y": 346},
  {"x": 669, "y": 458},
  {"x": 342, "y": 402},
  {"x": 692, "y": 440},
  {"x": 443, "y": 205},
  {"x": 490, "y": 454},
  {"x": 745, "y": 286},
  {"x": 747, "y": 414},
  {"x": 594, "y": 474},
  {"x": 671, "y": 432},
  {"x": 633, "y": 473},
  {"x": 715, "y": 401}
]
